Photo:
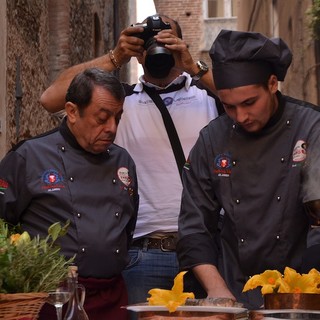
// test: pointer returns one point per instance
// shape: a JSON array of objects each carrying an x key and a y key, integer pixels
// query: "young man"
[
  {"x": 257, "y": 162},
  {"x": 76, "y": 173},
  {"x": 142, "y": 132}
]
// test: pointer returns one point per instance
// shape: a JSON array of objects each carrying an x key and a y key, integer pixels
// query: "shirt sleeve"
[
  {"x": 311, "y": 197},
  {"x": 14, "y": 194},
  {"x": 200, "y": 210}
]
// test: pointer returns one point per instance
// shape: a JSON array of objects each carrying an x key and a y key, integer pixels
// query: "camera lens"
[
  {"x": 159, "y": 59},
  {"x": 153, "y": 47}
]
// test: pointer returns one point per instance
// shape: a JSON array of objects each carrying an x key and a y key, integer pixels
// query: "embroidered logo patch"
[
  {"x": 299, "y": 153},
  {"x": 168, "y": 101},
  {"x": 123, "y": 175},
  {"x": 3, "y": 185},
  {"x": 52, "y": 180},
  {"x": 222, "y": 165}
]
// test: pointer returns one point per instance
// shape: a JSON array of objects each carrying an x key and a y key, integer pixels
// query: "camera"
[
  {"x": 153, "y": 25},
  {"x": 159, "y": 59}
]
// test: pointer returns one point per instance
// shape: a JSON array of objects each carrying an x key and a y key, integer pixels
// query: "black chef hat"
[{"x": 245, "y": 58}]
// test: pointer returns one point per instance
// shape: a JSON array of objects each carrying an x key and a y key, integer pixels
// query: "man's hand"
[
  {"x": 179, "y": 49},
  {"x": 183, "y": 58},
  {"x": 129, "y": 45}
]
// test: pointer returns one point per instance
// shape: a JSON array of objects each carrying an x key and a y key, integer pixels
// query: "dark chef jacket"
[
  {"x": 261, "y": 181},
  {"x": 51, "y": 178}
]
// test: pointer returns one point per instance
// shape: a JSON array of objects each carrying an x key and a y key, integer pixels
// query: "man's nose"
[
  {"x": 241, "y": 115},
  {"x": 111, "y": 125}
]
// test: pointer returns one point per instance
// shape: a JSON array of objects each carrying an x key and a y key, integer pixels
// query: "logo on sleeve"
[
  {"x": 299, "y": 153},
  {"x": 52, "y": 180},
  {"x": 3, "y": 186},
  {"x": 123, "y": 175},
  {"x": 222, "y": 165}
]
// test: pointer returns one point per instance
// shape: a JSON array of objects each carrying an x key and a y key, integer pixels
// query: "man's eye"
[
  {"x": 102, "y": 120},
  {"x": 250, "y": 102}
]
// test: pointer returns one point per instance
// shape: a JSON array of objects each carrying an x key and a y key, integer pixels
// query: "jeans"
[
  {"x": 148, "y": 269},
  {"x": 153, "y": 268}
]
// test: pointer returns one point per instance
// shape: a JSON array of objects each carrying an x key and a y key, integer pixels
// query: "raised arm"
[{"x": 128, "y": 46}]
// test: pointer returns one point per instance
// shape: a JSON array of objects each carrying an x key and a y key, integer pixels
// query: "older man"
[{"x": 76, "y": 173}]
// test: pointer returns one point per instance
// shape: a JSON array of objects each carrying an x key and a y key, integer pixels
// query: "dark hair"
[{"x": 81, "y": 87}]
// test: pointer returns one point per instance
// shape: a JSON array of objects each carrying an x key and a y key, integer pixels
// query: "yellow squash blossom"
[
  {"x": 173, "y": 298},
  {"x": 267, "y": 280},
  {"x": 306, "y": 283},
  {"x": 272, "y": 281}
]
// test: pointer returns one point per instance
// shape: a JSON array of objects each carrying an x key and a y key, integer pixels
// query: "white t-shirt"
[{"x": 142, "y": 132}]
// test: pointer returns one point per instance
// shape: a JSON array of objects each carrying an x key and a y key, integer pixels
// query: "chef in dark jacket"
[
  {"x": 76, "y": 173},
  {"x": 259, "y": 162}
]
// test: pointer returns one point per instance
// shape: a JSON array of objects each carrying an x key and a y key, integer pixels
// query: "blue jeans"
[
  {"x": 153, "y": 268},
  {"x": 148, "y": 269}
]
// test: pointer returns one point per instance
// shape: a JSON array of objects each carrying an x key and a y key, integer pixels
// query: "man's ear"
[
  {"x": 273, "y": 83},
  {"x": 72, "y": 111}
]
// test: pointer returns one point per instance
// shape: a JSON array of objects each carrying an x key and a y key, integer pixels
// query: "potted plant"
[{"x": 29, "y": 268}]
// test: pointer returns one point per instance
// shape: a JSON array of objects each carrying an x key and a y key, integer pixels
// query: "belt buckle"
[{"x": 162, "y": 243}]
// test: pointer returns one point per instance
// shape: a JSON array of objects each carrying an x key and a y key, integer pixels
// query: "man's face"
[
  {"x": 96, "y": 128},
  {"x": 251, "y": 106}
]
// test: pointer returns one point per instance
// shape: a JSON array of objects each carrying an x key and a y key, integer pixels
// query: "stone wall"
[
  {"x": 26, "y": 51},
  {"x": 44, "y": 37}
]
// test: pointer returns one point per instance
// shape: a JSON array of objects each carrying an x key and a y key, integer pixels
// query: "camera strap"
[{"x": 171, "y": 130}]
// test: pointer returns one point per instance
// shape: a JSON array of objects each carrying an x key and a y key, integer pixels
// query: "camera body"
[
  {"x": 159, "y": 60},
  {"x": 153, "y": 25}
]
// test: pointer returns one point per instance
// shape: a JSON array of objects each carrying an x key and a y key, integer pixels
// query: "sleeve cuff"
[{"x": 196, "y": 249}]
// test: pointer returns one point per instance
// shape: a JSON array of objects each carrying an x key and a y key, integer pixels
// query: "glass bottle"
[{"x": 75, "y": 310}]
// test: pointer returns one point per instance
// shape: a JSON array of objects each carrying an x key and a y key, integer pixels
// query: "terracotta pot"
[{"x": 304, "y": 301}]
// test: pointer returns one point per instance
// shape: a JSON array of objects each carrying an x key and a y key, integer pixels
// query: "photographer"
[{"x": 175, "y": 76}]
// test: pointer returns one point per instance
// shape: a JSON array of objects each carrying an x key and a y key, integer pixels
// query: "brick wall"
[{"x": 190, "y": 17}]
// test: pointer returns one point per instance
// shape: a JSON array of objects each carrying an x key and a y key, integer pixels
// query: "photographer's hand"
[
  {"x": 183, "y": 58},
  {"x": 129, "y": 45}
]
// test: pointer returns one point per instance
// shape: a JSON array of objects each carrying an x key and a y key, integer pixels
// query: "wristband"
[{"x": 114, "y": 60}]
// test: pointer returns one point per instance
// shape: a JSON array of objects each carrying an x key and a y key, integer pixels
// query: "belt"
[{"x": 166, "y": 243}]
